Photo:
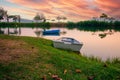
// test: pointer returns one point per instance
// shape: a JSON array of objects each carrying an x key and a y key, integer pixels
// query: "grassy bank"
[{"x": 28, "y": 58}]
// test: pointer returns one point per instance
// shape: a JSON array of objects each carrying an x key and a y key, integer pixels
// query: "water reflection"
[
  {"x": 29, "y": 31},
  {"x": 103, "y": 44},
  {"x": 102, "y": 35},
  {"x": 50, "y": 32},
  {"x": 38, "y": 32},
  {"x": 11, "y": 31},
  {"x": 1, "y": 31},
  {"x": 105, "y": 33}
]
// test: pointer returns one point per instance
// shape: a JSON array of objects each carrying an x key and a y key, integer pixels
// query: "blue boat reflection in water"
[{"x": 51, "y": 32}]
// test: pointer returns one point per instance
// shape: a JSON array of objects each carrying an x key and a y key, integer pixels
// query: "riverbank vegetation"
[
  {"x": 94, "y": 25},
  {"x": 28, "y": 58},
  {"x": 68, "y": 24},
  {"x": 31, "y": 25},
  {"x": 82, "y": 25}
]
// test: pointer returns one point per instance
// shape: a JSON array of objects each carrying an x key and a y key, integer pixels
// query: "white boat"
[{"x": 68, "y": 43}]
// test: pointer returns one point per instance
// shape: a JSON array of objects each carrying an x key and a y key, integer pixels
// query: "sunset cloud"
[
  {"x": 15, "y": 11},
  {"x": 73, "y": 9},
  {"x": 111, "y": 7}
]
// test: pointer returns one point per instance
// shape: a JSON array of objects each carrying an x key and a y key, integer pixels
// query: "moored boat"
[
  {"x": 51, "y": 32},
  {"x": 68, "y": 43}
]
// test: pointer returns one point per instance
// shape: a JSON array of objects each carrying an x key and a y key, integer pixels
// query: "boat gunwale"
[{"x": 62, "y": 41}]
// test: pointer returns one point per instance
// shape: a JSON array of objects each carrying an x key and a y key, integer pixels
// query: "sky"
[{"x": 74, "y": 10}]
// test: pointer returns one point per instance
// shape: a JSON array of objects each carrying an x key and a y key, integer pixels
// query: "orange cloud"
[
  {"x": 109, "y": 6},
  {"x": 109, "y": 3},
  {"x": 73, "y": 9},
  {"x": 23, "y": 13}
]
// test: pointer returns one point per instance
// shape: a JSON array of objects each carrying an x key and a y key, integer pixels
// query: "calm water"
[{"x": 99, "y": 44}]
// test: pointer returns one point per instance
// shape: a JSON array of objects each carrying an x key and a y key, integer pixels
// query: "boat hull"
[
  {"x": 62, "y": 45},
  {"x": 51, "y": 32}
]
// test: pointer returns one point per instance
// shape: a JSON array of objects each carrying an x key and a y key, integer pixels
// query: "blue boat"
[{"x": 51, "y": 32}]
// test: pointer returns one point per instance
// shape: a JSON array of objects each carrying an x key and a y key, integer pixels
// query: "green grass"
[{"x": 49, "y": 60}]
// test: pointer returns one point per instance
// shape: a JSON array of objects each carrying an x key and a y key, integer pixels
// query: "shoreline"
[{"x": 38, "y": 55}]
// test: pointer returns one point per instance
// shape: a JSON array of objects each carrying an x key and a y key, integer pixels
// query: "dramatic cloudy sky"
[{"x": 74, "y": 10}]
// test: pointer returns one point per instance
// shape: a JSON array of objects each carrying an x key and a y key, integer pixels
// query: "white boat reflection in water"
[{"x": 68, "y": 43}]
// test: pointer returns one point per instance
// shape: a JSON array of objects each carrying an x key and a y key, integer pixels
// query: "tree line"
[
  {"x": 4, "y": 15},
  {"x": 39, "y": 17}
]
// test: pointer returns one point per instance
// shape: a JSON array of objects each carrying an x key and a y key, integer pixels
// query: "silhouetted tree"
[
  {"x": 3, "y": 13},
  {"x": 1, "y": 18},
  {"x": 39, "y": 17},
  {"x": 19, "y": 18},
  {"x": 16, "y": 18},
  {"x": 64, "y": 18},
  {"x": 103, "y": 15},
  {"x": 58, "y": 18},
  {"x": 61, "y": 18}
]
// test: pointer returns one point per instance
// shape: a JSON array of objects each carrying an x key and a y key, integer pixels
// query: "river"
[{"x": 101, "y": 44}]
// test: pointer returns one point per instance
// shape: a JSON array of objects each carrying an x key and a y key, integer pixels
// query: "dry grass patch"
[{"x": 13, "y": 49}]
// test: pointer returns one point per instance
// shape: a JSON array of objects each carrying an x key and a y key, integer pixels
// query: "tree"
[
  {"x": 39, "y": 17},
  {"x": 3, "y": 14},
  {"x": 16, "y": 18},
  {"x": 58, "y": 18},
  {"x": 103, "y": 15},
  {"x": 64, "y": 18},
  {"x": 1, "y": 17},
  {"x": 19, "y": 18},
  {"x": 2, "y": 11}
]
